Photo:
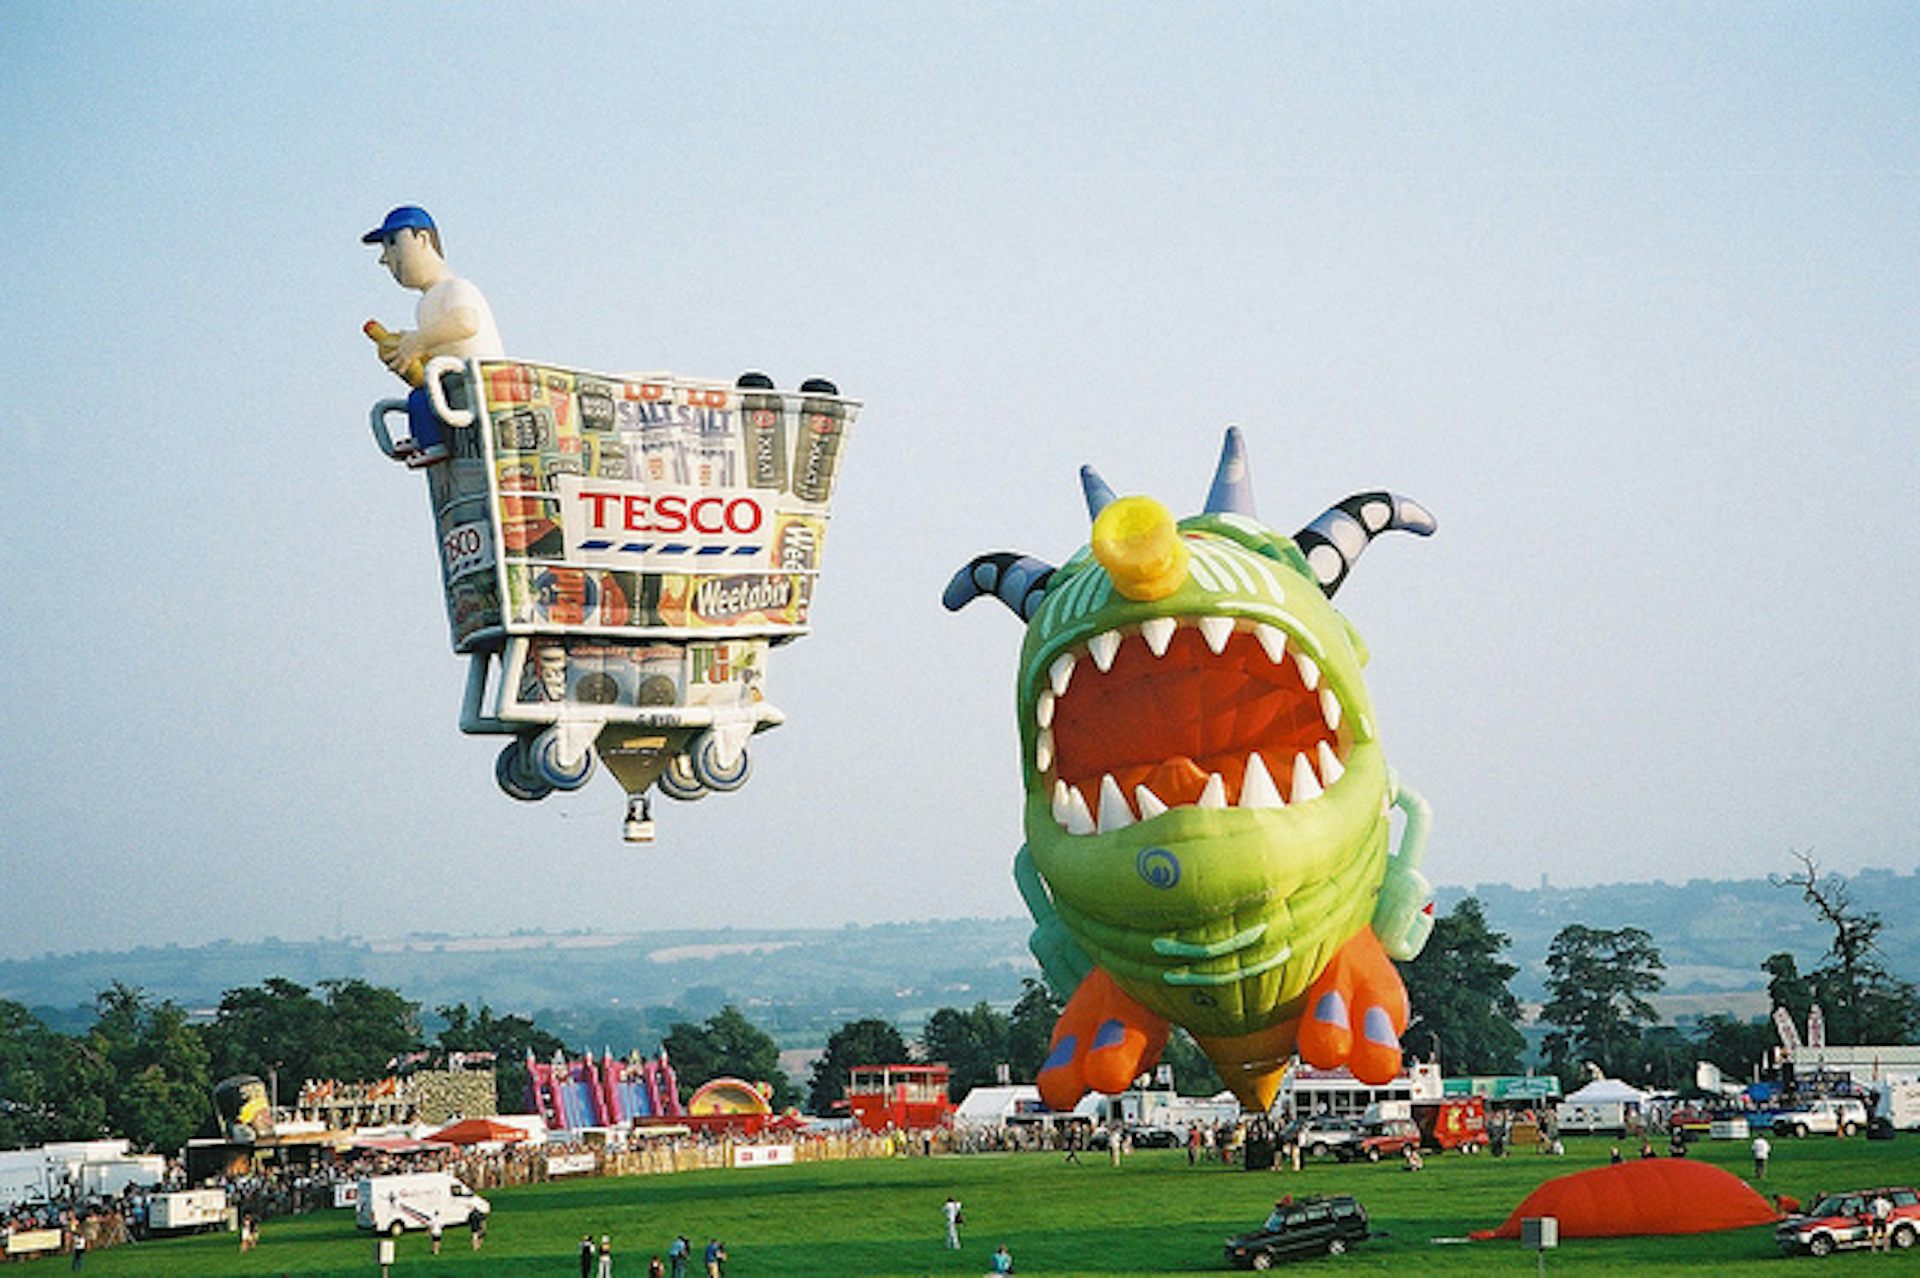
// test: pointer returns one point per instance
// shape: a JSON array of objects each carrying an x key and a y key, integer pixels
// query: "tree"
[
  {"x": 1597, "y": 984},
  {"x": 1862, "y": 1001},
  {"x": 1463, "y": 1013},
  {"x": 281, "y": 1028},
  {"x": 727, "y": 1045},
  {"x": 1193, "y": 1073},
  {"x": 865, "y": 1042},
  {"x": 1734, "y": 1045},
  {"x": 152, "y": 1066},
  {"x": 1030, "y": 1028},
  {"x": 1786, "y": 987},
  {"x": 29, "y": 1093},
  {"x": 510, "y": 1038},
  {"x": 972, "y": 1044}
]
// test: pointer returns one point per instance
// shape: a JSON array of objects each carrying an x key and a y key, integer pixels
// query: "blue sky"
[{"x": 1625, "y": 294}]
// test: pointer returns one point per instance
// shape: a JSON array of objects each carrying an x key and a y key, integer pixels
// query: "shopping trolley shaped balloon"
[{"x": 620, "y": 556}]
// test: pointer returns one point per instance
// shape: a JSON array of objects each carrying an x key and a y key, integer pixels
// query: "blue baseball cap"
[{"x": 407, "y": 215}]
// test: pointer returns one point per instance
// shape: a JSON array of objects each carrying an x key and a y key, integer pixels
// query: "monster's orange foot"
[
  {"x": 1356, "y": 1011},
  {"x": 1101, "y": 1042}
]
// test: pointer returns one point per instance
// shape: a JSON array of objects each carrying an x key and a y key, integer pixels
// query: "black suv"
[{"x": 1311, "y": 1227}]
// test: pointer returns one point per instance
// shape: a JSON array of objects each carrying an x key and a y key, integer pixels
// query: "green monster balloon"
[{"x": 1207, "y": 804}]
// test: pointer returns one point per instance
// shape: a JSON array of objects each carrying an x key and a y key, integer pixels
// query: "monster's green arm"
[
  {"x": 1062, "y": 960},
  {"x": 1402, "y": 917}
]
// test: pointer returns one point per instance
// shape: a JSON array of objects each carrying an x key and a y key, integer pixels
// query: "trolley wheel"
[
  {"x": 395, "y": 1229},
  {"x": 546, "y": 763},
  {"x": 708, "y": 769},
  {"x": 679, "y": 782},
  {"x": 516, "y": 776}
]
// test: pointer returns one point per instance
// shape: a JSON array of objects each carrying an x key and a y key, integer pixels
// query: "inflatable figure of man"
[{"x": 452, "y": 318}]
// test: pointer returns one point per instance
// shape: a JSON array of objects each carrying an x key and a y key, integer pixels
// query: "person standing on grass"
[
  {"x": 951, "y": 1210},
  {"x": 586, "y": 1256},
  {"x": 677, "y": 1254},
  {"x": 477, "y": 1226},
  {"x": 1762, "y": 1150},
  {"x": 606, "y": 1257}
]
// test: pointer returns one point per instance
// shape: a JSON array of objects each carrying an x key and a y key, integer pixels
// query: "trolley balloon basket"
[{"x": 620, "y": 556}]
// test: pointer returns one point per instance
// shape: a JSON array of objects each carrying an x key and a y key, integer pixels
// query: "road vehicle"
[
  {"x": 1456, "y": 1123},
  {"x": 1839, "y": 1222},
  {"x": 1321, "y": 1134},
  {"x": 1310, "y": 1227},
  {"x": 1828, "y": 1116},
  {"x": 1154, "y": 1138},
  {"x": 394, "y": 1204},
  {"x": 1388, "y": 1138}
]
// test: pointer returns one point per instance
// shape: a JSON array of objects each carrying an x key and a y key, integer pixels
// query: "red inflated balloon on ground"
[{"x": 1649, "y": 1196}]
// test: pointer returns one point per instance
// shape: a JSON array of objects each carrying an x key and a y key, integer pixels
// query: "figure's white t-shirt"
[{"x": 452, "y": 294}]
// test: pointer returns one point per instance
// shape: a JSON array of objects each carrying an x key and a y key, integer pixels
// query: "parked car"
[
  {"x": 1839, "y": 1221},
  {"x": 1154, "y": 1138},
  {"x": 1828, "y": 1116},
  {"x": 1387, "y": 1138},
  {"x": 1321, "y": 1134},
  {"x": 1311, "y": 1227}
]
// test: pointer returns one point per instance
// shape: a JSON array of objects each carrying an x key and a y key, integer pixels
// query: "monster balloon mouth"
[{"x": 1208, "y": 712}]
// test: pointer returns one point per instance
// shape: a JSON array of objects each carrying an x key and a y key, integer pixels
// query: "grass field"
[{"x": 1155, "y": 1215}]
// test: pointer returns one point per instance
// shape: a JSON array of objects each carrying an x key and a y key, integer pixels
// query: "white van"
[{"x": 395, "y": 1204}]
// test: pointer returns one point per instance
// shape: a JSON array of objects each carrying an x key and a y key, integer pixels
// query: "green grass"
[{"x": 1155, "y": 1215}]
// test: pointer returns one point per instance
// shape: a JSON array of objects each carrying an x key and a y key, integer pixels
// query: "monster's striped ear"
[
  {"x": 1333, "y": 542},
  {"x": 1018, "y": 581}
]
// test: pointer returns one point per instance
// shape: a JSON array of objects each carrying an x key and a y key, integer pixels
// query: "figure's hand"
[
  {"x": 1101, "y": 1042},
  {"x": 1358, "y": 988},
  {"x": 407, "y": 348}
]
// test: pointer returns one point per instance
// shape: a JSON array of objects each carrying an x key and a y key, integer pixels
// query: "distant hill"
[{"x": 627, "y": 989}]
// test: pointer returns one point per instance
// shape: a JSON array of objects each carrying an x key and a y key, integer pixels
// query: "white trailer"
[
  {"x": 394, "y": 1204},
  {"x": 1899, "y": 1103},
  {"x": 110, "y": 1176},
  {"x": 188, "y": 1209}
]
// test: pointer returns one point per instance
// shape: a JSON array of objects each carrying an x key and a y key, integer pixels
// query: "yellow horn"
[{"x": 1136, "y": 542}]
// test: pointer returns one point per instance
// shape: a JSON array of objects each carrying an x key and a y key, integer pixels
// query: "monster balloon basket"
[{"x": 620, "y": 554}]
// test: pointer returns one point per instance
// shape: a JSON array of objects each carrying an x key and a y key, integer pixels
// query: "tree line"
[{"x": 145, "y": 1071}]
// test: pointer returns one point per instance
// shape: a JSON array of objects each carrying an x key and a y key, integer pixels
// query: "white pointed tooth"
[
  {"x": 1258, "y": 789},
  {"x": 1114, "y": 812},
  {"x": 1102, "y": 647},
  {"x": 1215, "y": 795},
  {"x": 1150, "y": 805},
  {"x": 1158, "y": 632},
  {"x": 1274, "y": 640},
  {"x": 1043, "y": 710},
  {"x": 1060, "y": 672},
  {"x": 1060, "y": 809},
  {"x": 1216, "y": 631},
  {"x": 1043, "y": 751},
  {"x": 1306, "y": 786},
  {"x": 1330, "y": 769},
  {"x": 1079, "y": 820},
  {"x": 1330, "y": 709},
  {"x": 1309, "y": 670}
]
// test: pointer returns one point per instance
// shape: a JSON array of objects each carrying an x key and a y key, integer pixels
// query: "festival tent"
[
  {"x": 1607, "y": 1091},
  {"x": 478, "y": 1131},
  {"x": 1645, "y": 1196}
]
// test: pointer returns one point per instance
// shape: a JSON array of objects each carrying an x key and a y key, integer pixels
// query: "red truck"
[{"x": 1457, "y": 1123}]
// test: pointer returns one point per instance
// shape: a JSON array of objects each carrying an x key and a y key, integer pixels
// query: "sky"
[{"x": 1625, "y": 294}]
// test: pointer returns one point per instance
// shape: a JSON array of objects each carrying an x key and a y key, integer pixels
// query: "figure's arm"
[
  {"x": 1061, "y": 959},
  {"x": 461, "y": 307},
  {"x": 1403, "y": 916}
]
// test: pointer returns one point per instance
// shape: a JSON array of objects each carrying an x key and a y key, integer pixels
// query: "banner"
[
  {"x": 617, "y": 505},
  {"x": 569, "y": 1164},
  {"x": 762, "y": 1155}
]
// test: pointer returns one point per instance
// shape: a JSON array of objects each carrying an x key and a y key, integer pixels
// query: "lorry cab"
[{"x": 394, "y": 1204}]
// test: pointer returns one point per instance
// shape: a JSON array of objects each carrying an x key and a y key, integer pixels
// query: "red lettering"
[
  {"x": 599, "y": 501},
  {"x": 670, "y": 515},
  {"x": 752, "y": 523},
  {"x": 636, "y": 513},
  {"x": 698, "y": 524}
]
